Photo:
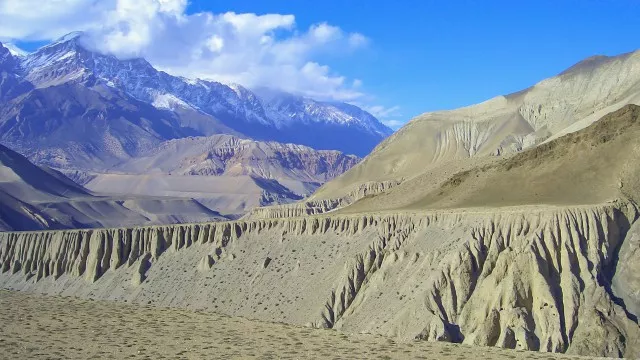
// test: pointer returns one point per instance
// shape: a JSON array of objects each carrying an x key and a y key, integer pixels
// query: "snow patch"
[
  {"x": 14, "y": 50},
  {"x": 169, "y": 102}
]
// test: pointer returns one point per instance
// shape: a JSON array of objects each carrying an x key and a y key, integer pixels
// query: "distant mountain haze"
[{"x": 33, "y": 198}]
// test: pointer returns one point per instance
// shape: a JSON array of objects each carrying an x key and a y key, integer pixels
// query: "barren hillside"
[
  {"x": 503, "y": 125},
  {"x": 594, "y": 165}
]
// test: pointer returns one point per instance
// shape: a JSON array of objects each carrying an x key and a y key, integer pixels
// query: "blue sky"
[
  {"x": 429, "y": 55},
  {"x": 418, "y": 55}
]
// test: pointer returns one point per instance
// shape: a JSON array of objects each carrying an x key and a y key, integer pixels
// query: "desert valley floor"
[{"x": 53, "y": 327}]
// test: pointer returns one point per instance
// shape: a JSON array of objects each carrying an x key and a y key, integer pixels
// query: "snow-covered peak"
[
  {"x": 71, "y": 36},
  {"x": 69, "y": 41},
  {"x": 55, "y": 63},
  {"x": 265, "y": 114},
  {"x": 289, "y": 108},
  {"x": 47, "y": 55},
  {"x": 7, "y": 59},
  {"x": 239, "y": 89},
  {"x": 191, "y": 81},
  {"x": 15, "y": 51},
  {"x": 169, "y": 102}
]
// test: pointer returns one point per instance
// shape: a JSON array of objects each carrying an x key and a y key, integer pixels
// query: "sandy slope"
[
  {"x": 231, "y": 195},
  {"x": 536, "y": 251},
  {"x": 505, "y": 124},
  {"x": 50, "y": 327},
  {"x": 594, "y": 165}
]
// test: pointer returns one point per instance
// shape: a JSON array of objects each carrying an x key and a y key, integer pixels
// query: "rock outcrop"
[{"x": 229, "y": 174}]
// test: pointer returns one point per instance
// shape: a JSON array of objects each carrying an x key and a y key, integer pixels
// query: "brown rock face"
[{"x": 227, "y": 155}]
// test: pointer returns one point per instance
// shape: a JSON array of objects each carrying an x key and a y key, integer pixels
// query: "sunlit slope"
[
  {"x": 594, "y": 165},
  {"x": 505, "y": 124}
]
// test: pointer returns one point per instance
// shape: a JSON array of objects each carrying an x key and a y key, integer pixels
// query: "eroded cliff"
[
  {"x": 316, "y": 205},
  {"x": 529, "y": 278}
]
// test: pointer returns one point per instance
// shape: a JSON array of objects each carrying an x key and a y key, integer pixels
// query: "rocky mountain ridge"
[
  {"x": 534, "y": 250},
  {"x": 280, "y": 116},
  {"x": 231, "y": 155},
  {"x": 229, "y": 174},
  {"x": 100, "y": 120}
]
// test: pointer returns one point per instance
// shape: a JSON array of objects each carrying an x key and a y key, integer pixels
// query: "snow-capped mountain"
[
  {"x": 267, "y": 115},
  {"x": 7, "y": 60},
  {"x": 286, "y": 109},
  {"x": 11, "y": 84},
  {"x": 99, "y": 119}
]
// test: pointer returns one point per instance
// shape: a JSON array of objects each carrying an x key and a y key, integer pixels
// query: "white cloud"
[
  {"x": 46, "y": 20},
  {"x": 393, "y": 124},
  {"x": 215, "y": 43},
  {"x": 357, "y": 39},
  {"x": 250, "y": 49},
  {"x": 324, "y": 33},
  {"x": 380, "y": 111},
  {"x": 386, "y": 115}
]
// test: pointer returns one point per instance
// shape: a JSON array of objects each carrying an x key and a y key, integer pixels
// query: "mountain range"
[
  {"x": 120, "y": 108},
  {"x": 223, "y": 172},
  {"x": 536, "y": 251},
  {"x": 513, "y": 223},
  {"x": 100, "y": 120}
]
